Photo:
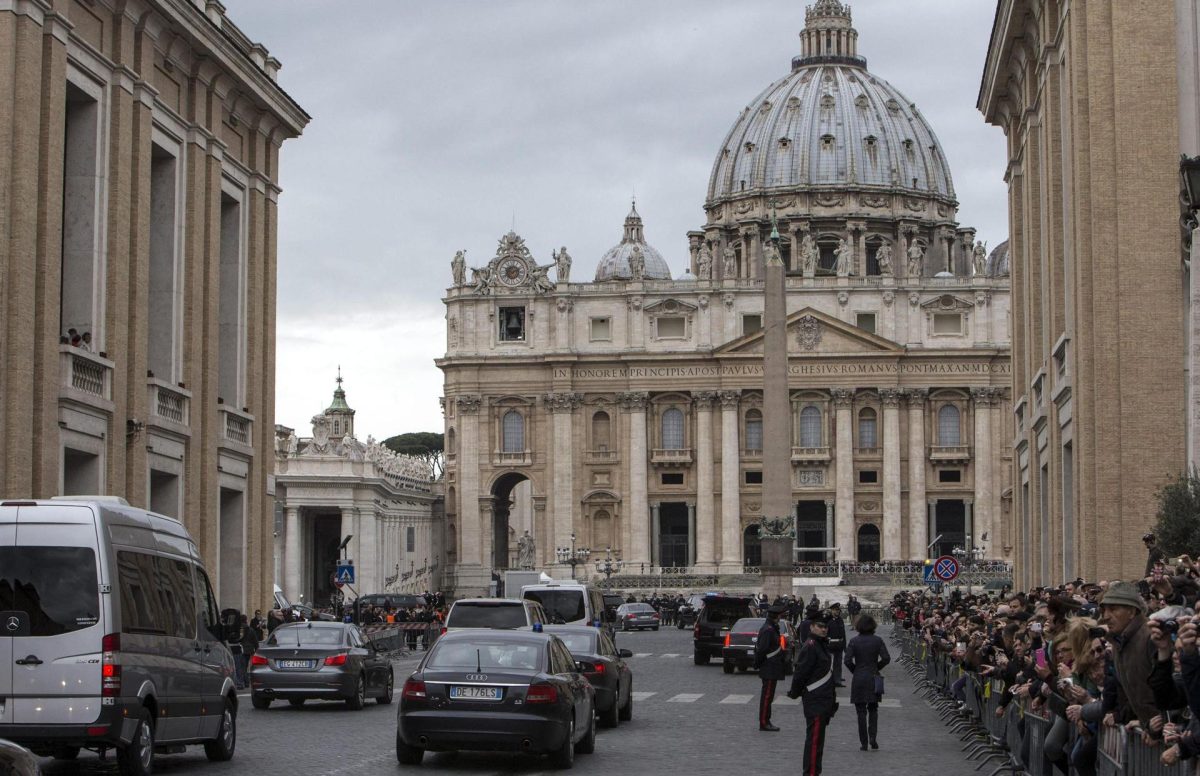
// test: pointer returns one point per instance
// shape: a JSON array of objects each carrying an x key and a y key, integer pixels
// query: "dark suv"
[{"x": 716, "y": 618}]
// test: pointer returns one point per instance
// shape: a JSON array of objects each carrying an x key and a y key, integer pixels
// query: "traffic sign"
[
  {"x": 927, "y": 572},
  {"x": 945, "y": 568},
  {"x": 344, "y": 574}
]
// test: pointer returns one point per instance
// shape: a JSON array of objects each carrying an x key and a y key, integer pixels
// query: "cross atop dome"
[{"x": 829, "y": 35}]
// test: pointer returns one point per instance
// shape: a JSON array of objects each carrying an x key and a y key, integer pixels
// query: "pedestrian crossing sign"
[{"x": 344, "y": 574}]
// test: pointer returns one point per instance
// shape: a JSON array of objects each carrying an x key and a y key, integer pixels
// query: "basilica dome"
[
  {"x": 615, "y": 264},
  {"x": 830, "y": 124}
]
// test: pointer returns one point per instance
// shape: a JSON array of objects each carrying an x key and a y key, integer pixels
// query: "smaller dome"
[
  {"x": 997, "y": 265},
  {"x": 944, "y": 274},
  {"x": 615, "y": 263},
  {"x": 686, "y": 276}
]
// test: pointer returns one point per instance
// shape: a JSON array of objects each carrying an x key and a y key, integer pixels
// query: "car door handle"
[{"x": 31, "y": 660}]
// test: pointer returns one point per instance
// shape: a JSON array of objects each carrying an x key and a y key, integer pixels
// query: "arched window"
[
  {"x": 867, "y": 436},
  {"x": 754, "y": 430},
  {"x": 672, "y": 429},
  {"x": 810, "y": 427},
  {"x": 514, "y": 433},
  {"x": 337, "y": 427},
  {"x": 600, "y": 431},
  {"x": 949, "y": 433},
  {"x": 451, "y": 443}
]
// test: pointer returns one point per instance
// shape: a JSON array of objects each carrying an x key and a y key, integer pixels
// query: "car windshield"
[
  {"x": 484, "y": 615},
  {"x": 560, "y": 605},
  {"x": 305, "y": 636},
  {"x": 632, "y": 608},
  {"x": 723, "y": 613},
  {"x": 55, "y": 587},
  {"x": 485, "y": 655},
  {"x": 579, "y": 643},
  {"x": 748, "y": 625}
]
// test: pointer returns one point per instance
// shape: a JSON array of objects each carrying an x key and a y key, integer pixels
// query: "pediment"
[
  {"x": 811, "y": 331},
  {"x": 948, "y": 303},
  {"x": 670, "y": 307}
]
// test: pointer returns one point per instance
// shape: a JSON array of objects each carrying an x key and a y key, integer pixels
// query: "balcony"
[
  {"x": 681, "y": 457},
  {"x": 170, "y": 406},
  {"x": 235, "y": 428},
  {"x": 523, "y": 458},
  {"x": 949, "y": 454},
  {"x": 85, "y": 377},
  {"x": 603, "y": 457},
  {"x": 810, "y": 456},
  {"x": 868, "y": 452}
]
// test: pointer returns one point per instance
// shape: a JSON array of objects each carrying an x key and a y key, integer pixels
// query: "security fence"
[{"x": 1012, "y": 739}]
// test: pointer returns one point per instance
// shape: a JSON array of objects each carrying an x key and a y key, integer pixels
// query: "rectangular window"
[
  {"x": 53, "y": 588},
  {"x": 410, "y": 539},
  {"x": 164, "y": 493},
  {"x": 161, "y": 294},
  {"x": 210, "y": 611},
  {"x": 947, "y": 323},
  {"x": 231, "y": 560},
  {"x": 81, "y": 197},
  {"x": 868, "y": 476},
  {"x": 672, "y": 478},
  {"x": 1068, "y": 498},
  {"x": 512, "y": 324},
  {"x": 751, "y": 323},
  {"x": 672, "y": 327},
  {"x": 950, "y": 475},
  {"x": 601, "y": 329},
  {"x": 81, "y": 472},
  {"x": 230, "y": 304},
  {"x": 754, "y": 478},
  {"x": 866, "y": 322}
]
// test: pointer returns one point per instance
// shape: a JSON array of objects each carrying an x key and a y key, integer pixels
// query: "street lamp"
[
  {"x": 609, "y": 565},
  {"x": 572, "y": 556}
]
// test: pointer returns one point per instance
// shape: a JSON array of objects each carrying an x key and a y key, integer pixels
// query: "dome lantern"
[{"x": 829, "y": 36}]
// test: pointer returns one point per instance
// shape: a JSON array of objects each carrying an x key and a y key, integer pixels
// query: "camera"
[
  {"x": 1097, "y": 633},
  {"x": 1170, "y": 627}
]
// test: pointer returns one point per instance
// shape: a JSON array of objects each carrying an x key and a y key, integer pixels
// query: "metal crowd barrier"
[{"x": 1015, "y": 737}]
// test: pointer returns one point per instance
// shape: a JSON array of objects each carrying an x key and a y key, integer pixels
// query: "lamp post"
[
  {"x": 572, "y": 556},
  {"x": 609, "y": 565}
]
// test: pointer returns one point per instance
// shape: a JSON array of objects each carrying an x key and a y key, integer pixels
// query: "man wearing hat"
[
  {"x": 813, "y": 680},
  {"x": 771, "y": 663},
  {"x": 837, "y": 641},
  {"x": 1123, "y": 611}
]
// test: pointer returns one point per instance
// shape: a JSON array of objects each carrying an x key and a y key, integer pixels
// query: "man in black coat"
[
  {"x": 813, "y": 679},
  {"x": 771, "y": 663},
  {"x": 837, "y": 641}
]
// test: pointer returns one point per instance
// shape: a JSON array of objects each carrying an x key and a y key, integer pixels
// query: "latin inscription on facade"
[{"x": 756, "y": 370}]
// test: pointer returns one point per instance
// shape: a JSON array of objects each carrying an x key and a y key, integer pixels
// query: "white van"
[
  {"x": 110, "y": 635},
  {"x": 568, "y": 603}
]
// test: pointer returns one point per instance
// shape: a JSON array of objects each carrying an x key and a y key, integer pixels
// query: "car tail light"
[
  {"x": 98, "y": 730},
  {"x": 728, "y": 636},
  {"x": 593, "y": 669},
  {"x": 783, "y": 642},
  {"x": 696, "y": 630},
  {"x": 541, "y": 693},
  {"x": 336, "y": 660},
  {"x": 110, "y": 665},
  {"x": 630, "y": 616},
  {"x": 258, "y": 660},
  {"x": 655, "y": 615},
  {"x": 414, "y": 689},
  {"x": 443, "y": 630}
]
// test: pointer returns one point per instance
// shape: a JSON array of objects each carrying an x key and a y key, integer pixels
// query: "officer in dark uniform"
[
  {"x": 837, "y": 641},
  {"x": 813, "y": 680},
  {"x": 771, "y": 663}
]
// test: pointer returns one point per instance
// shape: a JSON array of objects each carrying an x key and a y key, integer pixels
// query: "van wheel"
[
  {"x": 386, "y": 698},
  {"x": 137, "y": 759},
  {"x": 359, "y": 698},
  {"x": 727, "y": 667},
  {"x": 408, "y": 755},
  {"x": 259, "y": 702},
  {"x": 700, "y": 658},
  {"x": 220, "y": 749}
]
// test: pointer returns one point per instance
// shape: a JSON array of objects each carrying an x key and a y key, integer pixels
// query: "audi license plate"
[
  {"x": 294, "y": 663},
  {"x": 474, "y": 693}
]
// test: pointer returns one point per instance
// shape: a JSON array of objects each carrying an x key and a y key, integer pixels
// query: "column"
[
  {"x": 705, "y": 558},
  {"x": 931, "y": 522},
  {"x": 918, "y": 510},
  {"x": 543, "y": 549},
  {"x": 691, "y": 507},
  {"x": 367, "y": 562},
  {"x": 635, "y": 404},
  {"x": 291, "y": 557},
  {"x": 752, "y": 255},
  {"x": 968, "y": 524},
  {"x": 469, "y": 446},
  {"x": 350, "y": 528},
  {"x": 892, "y": 521},
  {"x": 731, "y": 507},
  {"x": 562, "y": 409},
  {"x": 655, "y": 532},
  {"x": 844, "y": 462},
  {"x": 982, "y": 459},
  {"x": 828, "y": 528}
]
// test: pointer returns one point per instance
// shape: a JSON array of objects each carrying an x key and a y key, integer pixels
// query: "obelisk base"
[{"x": 776, "y": 567}]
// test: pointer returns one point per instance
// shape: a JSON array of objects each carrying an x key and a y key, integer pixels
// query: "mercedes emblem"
[{"x": 14, "y": 623}]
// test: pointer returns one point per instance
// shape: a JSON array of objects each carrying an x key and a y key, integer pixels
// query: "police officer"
[
  {"x": 813, "y": 679},
  {"x": 771, "y": 664},
  {"x": 837, "y": 641}
]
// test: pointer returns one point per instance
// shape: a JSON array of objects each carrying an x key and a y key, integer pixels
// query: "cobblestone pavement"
[{"x": 687, "y": 718}]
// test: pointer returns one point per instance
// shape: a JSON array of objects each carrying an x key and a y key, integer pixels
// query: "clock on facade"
[{"x": 512, "y": 272}]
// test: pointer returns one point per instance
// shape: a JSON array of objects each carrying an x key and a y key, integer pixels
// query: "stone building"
[
  {"x": 1097, "y": 101},
  {"x": 138, "y": 220},
  {"x": 625, "y": 412},
  {"x": 331, "y": 486}
]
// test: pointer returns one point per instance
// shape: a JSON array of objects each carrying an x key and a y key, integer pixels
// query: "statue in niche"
[
  {"x": 729, "y": 259},
  {"x": 845, "y": 258},
  {"x": 916, "y": 260},
  {"x": 704, "y": 263},
  {"x": 808, "y": 256},
  {"x": 526, "y": 552},
  {"x": 458, "y": 267},
  {"x": 979, "y": 259},
  {"x": 884, "y": 258},
  {"x": 562, "y": 264},
  {"x": 637, "y": 263}
]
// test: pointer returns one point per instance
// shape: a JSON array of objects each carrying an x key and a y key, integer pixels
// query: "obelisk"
[{"x": 777, "y": 430}]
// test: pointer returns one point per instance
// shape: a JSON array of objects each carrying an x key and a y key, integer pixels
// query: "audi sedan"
[
  {"x": 319, "y": 660},
  {"x": 494, "y": 690},
  {"x": 605, "y": 667}
]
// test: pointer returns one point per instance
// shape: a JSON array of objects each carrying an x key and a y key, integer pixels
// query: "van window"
[
  {"x": 210, "y": 613},
  {"x": 562, "y": 605},
  {"x": 179, "y": 595},
  {"x": 141, "y": 607},
  {"x": 485, "y": 615},
  {"x": 54, "y": 586}
]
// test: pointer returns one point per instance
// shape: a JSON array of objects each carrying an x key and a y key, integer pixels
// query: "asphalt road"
[{"x": 687, "y": 718}]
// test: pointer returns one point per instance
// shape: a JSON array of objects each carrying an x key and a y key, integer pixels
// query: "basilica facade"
[{"x": 624, "y": 415}]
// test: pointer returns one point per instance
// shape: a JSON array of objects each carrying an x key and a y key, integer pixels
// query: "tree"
[
  {"x": 426, "y": 445},
  {"x": 1178, "y": 526}
]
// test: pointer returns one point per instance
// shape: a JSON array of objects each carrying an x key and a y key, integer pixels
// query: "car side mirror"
[{"x": 625, "y": 652}]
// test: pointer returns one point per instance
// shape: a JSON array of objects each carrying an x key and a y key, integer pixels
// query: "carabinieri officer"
[
  {"x": 813, "y": 679},
  {"x": 771, "y": 663}
]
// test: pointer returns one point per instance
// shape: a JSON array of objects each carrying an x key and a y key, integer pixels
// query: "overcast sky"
[{"x": 437, "y": 125}]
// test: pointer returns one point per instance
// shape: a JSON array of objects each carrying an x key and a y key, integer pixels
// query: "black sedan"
[
  {"x": 323, "y": 660},
  {"x": 738, "y": 650},
  {"x": 605, "y": 667},
  {"x": 495, "y": 690}
]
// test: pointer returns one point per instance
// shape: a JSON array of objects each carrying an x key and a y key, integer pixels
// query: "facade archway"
[
  {"x": 751, "y": 546},
  {"x": 510, "y": 499},
  {"x": 868, "y": 543}
]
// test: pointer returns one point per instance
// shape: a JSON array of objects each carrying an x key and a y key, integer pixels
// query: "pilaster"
[
  {"x": 470, "y": 531},
  {"x": 985, "y": 486},
  {"x": 634, "y": 403},
  {"x": 892, "y": 521},
  {"x": 918, "y": 516},
  {"x": 731, "y": 508},
  {"x": 562, "y": 408},
  {"x": 705, "y": 559},
  {"x": 843, "y": 398}
]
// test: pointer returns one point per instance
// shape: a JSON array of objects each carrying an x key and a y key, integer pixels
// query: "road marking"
[
  {"x": 686, "y": 697},
  {"x": 641, "y": 696},
  {"x": 737, "y": 699},
  {"x": 643, "y": 654},
  {"x": 669, "y": 654}
]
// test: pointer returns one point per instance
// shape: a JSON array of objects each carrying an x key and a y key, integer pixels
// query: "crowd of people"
[{"x": 1083, "y": 654}]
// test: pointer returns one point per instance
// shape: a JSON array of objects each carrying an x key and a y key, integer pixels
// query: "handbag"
[{"x": 878, "y": 684}]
